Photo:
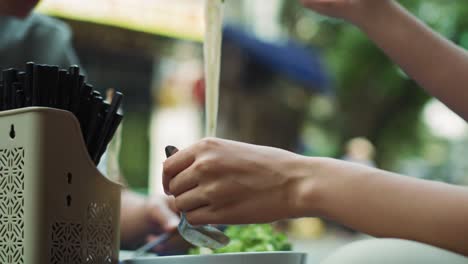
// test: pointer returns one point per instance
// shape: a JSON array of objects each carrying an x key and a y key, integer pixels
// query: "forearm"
[
  {"x": 435, "y": 63},
  {"x": 133, "y": 225},
  {"x": 384, "y": 204}
]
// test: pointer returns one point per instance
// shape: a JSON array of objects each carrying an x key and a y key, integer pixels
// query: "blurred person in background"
[
  {"x": 360, "y": 150},
  {"x": 226, "y": 182},
  {"x": 26, "y": 36}
]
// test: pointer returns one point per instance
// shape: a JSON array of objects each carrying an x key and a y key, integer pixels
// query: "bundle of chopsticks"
[{"x": 49, "y": 86}]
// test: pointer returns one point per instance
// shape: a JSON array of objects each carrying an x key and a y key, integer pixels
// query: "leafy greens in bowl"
[{"x": 250, "y": 238}]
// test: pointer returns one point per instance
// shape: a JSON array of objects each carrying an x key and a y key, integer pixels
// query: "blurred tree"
[
  {"x": 135, "y": 148},
  {"x": 374, "y": 98},
  {"x": 273, "y": 107}
]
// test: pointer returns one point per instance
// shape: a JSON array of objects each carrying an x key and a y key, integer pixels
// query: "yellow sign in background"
[{"x": 173, "y": 18}]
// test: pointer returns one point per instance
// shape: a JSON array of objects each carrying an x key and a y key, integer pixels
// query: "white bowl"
[{"x": 233, "y": 258}]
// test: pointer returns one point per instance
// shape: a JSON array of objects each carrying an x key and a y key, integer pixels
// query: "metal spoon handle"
[{"x": 152, "y": 244}]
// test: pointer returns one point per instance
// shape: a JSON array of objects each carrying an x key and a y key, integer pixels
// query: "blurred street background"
[{"x": 290, "y": 79}]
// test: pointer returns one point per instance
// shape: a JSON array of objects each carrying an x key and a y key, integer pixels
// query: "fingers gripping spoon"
[{"x": 201, "y": 236}]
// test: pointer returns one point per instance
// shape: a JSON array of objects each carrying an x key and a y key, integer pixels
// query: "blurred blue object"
[{"x": 290, "y": 59}]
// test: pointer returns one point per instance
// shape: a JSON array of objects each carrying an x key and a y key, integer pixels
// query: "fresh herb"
[{"x": 250, "y": 238}]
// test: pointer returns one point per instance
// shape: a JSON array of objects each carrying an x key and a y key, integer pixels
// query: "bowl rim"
[{"x": 261, "y": 253}]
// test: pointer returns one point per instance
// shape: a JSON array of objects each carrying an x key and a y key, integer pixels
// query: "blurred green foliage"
[
  {"x": 374, "y": 98},
  {"x": 134, "y": 154}
]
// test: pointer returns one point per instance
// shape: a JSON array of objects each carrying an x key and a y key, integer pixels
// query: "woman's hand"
[
  {"x": 225, "y": 182},
  {"x": 354, "y": 11}
]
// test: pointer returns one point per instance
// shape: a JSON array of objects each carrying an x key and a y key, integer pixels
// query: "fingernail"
[{"x": 170, "y": 150}]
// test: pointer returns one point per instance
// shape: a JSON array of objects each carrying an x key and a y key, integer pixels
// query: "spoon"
[
  {"x": 154, "y": 243},
  {"x": 201, "y": 236}
]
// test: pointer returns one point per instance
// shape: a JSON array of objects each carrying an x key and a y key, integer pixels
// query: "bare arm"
[
  {"x": 135, "y": 224},
  {"x": 225, "y": 182},
  {"x": 435, "y": 63},
  {"x": 384, "y": 204}
]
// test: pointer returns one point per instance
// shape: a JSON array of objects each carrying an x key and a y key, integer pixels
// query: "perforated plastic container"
[{"x": 55, "y": 206}]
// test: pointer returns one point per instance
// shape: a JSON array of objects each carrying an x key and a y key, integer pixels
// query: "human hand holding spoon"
[{"x": 201, "y": 236}]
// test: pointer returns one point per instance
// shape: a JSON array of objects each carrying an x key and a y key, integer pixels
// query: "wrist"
[{"x": 305, "y": 193}]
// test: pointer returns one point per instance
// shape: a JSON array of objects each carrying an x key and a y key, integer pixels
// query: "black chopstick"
[
  {"x": 49, "y": 86},
  {"x": 9, "y": 77},
  {"x": 39, "y": 85},
  {"x": 74, "y": 72},
  {"x": 108, "y": 119},
  {"x": 85, "y": 107},
  {"x": 28, "y": 83},
  {"x": 52, "y": 86},
  {"x": 93, "y": 122},
  {"x": 19, "y": 98},
  {"x": 63, "y": 97},
  {"x": 116, "y": 120}
]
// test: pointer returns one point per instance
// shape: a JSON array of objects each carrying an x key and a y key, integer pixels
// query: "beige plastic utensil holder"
[{"x": 55, "y": 206}]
